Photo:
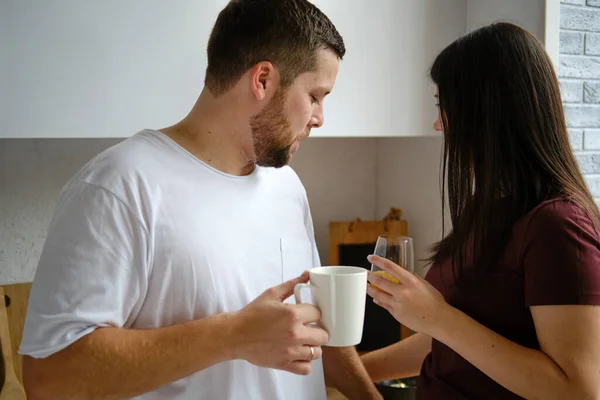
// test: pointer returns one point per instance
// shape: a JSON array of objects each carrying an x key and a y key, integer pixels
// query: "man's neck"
[{"x": 217, "y": 132}]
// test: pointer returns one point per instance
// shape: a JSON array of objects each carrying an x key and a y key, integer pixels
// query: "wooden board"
[
  {"x": 5, "y": 336},
  {"x": 19, "y": 299},
  {"x": 360, "y": 232},
  {"x": 13, "y": 388}
]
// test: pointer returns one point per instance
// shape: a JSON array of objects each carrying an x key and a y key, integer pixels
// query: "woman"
[{"x": 507, "y": 307}]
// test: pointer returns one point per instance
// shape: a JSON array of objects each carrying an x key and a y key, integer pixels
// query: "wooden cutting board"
[{"x": 18, "y": 299}]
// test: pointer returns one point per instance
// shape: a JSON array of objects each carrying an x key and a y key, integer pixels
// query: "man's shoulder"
[
  {"x": 284, "y": 175},
  {"x": 122, "y": 168},
  {"x": 128, "y": 157},
  {"x": 286, "y": 181}
]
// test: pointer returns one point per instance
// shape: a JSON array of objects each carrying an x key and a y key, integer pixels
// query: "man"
[{"x": 169, "y": 260}]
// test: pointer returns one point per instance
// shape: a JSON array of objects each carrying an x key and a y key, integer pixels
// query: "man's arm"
[
  {"x": 399, "y": 360},
  {"x": 114, "y": 363},
  {"x": 345, "y": 372}
]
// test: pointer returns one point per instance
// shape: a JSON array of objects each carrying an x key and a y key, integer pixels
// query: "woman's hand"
[{"x": 413, "y": 302}]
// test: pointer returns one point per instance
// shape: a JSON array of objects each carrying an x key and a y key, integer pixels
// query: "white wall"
[
  {"x": 409, "y": 178},
  {"x": 350, "y": 178},
  {"x": 340, "y": 176},
  {"x": 4, "y": 58},
  {"x": 32, "y": 173}
]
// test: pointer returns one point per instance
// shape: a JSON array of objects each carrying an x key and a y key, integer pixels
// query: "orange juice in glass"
[{"x": 398, "y": 249}]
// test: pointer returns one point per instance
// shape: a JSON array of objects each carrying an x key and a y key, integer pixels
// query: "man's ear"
[{"x": 264, "y": 80}]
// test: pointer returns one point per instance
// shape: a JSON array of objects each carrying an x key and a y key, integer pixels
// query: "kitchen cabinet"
[
  {"x": 102, "y": 68},
  {"x": 110, "y": 68},
  {"x": 383, "y": 88}
]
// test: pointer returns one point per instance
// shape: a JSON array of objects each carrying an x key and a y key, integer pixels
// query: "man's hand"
[{"x": 273, "y": 334}]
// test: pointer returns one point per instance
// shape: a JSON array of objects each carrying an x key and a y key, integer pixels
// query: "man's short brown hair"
[{"x": 286, "y": 33}]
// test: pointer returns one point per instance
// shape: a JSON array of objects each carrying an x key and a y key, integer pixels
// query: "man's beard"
[{"x": 272, "y": 133}]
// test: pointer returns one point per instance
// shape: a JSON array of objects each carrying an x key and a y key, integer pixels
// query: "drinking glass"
[{"x": 398, "y": 249}]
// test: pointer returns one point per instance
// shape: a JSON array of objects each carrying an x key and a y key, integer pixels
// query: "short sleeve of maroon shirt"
[{"x": 552, "y": 258}]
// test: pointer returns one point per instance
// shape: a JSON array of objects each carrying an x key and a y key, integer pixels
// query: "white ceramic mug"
[{"x": 340, "y": 293}]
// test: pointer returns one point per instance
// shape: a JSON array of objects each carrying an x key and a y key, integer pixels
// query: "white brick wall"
[
  {"x": 593, "y": 3},
  {"x": 571, "y": 90},
  {"x": 591, "y": 92},
  {"x": 571, "y": 42},
  {"x": 592, "y": 44},
  {"x": 579, "y": 74}
]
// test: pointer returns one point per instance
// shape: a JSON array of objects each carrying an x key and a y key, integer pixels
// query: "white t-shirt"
[{"x": 147, "y": 236}]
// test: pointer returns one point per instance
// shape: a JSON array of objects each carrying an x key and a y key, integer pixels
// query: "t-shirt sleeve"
[
  {"x": 92, "y": 271},
  {"x": 561, "y": 257}
]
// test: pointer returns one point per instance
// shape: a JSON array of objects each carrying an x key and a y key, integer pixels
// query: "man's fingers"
[
  {"x": 303, "y": 353},
  {"x": 302, "y": 366},
  {"x": 306, "y": 313},
  {"x": 286, "y": 289},
  {"x": 317, "y": 350},
  {"x": 314, "y": 336},
  {"x": 299, "y": 367}
]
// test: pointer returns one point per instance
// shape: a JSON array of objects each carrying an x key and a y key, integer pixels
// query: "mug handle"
[{"x": 298, "y": 291}]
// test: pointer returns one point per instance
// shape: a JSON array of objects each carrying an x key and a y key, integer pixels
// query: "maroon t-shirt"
[{"x": 552, "y": 258}]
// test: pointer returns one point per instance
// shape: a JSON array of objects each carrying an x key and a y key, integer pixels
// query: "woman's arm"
[{"x": 568, "y": 365}]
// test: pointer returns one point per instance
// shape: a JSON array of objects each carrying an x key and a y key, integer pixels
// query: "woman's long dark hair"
[{"x": 505, "y": 141}]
